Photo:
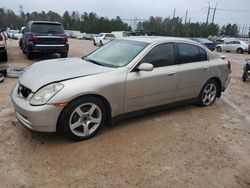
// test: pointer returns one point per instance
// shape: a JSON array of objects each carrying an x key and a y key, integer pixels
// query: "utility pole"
[
  {"x": 186, "y": 16},
  {"x": 174, "y": 13},
  {"x": 208, "y": 12},
  {"x": 214, "y": 12}
]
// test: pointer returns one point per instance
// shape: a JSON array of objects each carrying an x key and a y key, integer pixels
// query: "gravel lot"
[{"x": 185, "y": 146}]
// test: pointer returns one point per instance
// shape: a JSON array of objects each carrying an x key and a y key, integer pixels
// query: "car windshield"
[
  {"x": 117, "y": 53},
  {"x": 47, "y": 28}
]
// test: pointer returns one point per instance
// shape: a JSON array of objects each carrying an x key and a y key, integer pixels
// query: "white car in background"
[
  {"x": 233, "y": 46},
  {"x": 103, "y": 38},
  {"x": 121, "y": 34}
]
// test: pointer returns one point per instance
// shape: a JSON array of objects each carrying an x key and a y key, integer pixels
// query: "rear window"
[
  {"x": 189, "y": 53},
  {"x": 47, "y": 28}
]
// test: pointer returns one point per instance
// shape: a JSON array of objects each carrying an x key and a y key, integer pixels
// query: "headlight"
[{"x": 43, "y": 95}]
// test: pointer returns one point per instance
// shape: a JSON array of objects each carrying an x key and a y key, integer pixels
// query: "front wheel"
[
  {"x": 208, "y": 93},
  {"x": 82, "y": 118}
]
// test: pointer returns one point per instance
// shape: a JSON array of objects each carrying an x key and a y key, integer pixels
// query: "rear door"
[
  {"x": 194, "y": 70},
  {"x": 156, "y": 87}
]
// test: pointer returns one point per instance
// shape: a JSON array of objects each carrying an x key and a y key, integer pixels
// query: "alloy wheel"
[
  {"x": 85, "y": 119},
  {"x": 209, "y": 94}
]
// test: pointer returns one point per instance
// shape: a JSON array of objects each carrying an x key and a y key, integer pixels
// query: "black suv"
[
  {"x": 44, "y": 37},
  {"x": 3, "y": 47}
]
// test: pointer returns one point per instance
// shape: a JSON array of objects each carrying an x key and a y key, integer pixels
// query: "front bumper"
[{"x": 37, "y": 118}]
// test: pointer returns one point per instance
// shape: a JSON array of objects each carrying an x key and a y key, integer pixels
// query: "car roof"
[{"x": 155, "y": 39}]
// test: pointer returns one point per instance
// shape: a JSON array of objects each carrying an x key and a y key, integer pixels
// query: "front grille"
[{"x": 23, "y": 91}]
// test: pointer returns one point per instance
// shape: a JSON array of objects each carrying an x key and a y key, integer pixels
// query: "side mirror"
[{"x": 145, "y": 67}]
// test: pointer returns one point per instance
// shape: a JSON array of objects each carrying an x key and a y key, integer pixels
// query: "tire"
[
  {"x": 30, "y": 55},
  {"x": 64, "y": 54},
  {"x": 248, "y": 51},
  {"x": 3, "y": 71},
  {"x": 244, "y": 77},
  {"x": 208, "y": 93},
  {"x": 1, "y": 77},
  {"x": 5, "y": 56},
  {"x": 94, "y": 43},
  {"x": 74, "y": 119},
  {"x": 218, "y": 49},
  {"x": 15, "y": 72},
  {"x": 101, "y": 43},
  {"x": 240, "y": 50}
]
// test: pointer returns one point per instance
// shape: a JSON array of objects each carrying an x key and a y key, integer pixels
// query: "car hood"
[{"x": 45, "y": 72}]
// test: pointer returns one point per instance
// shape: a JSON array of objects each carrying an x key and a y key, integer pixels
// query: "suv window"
[
  {"x": 236, "y": 42},
  {"x": 161, "y": 55},
  {"x": 47, "y": 28},
  {"x": 189, "y": 53}
]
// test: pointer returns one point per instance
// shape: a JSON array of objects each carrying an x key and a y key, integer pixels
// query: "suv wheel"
[
  {"x": 101, "y": 43},
  {"x": 240, "y": 50},
  {"x": 94, "y": 42},
  {"x": 82, "y": 118},
  {"x": 5, "y": 56},
  {"x": 64, "y": 54},
  {"x": 29, "y": 54},
  {"x": 208, "y": 93}
]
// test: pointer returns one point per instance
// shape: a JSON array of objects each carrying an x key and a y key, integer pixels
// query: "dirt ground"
[{"x": 185, "y": 146}]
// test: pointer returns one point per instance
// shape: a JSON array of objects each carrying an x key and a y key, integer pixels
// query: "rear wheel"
[
  {"x": 5, "y": 56},
  {"x": 101, "y": 43},
  {"x": 94, "y": 42},
  {"x": 208, "y": 93},
  {"x": 82, "y": 118},
  {"x": 64, "y": 54},
  {"x": 240, "y": 50},
  {"x": 30, "y": 55}
]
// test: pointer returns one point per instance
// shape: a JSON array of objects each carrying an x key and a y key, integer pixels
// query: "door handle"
[
  {"x": 172, "y": 74},
  {"x": 206, "y": 68}
]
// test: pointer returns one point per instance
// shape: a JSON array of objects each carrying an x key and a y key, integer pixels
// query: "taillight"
[
  {"x": 229, "y": 65},
  {"x": 65, "y": 38},
  {"x": 1, "y": 37},
  {"x": 32, "y": 38}
]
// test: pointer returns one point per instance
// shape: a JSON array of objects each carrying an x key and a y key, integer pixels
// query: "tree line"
[
  {"x": 176, "y": 27},
  {"x": 86, "y": 22},
  {"x": 92, "y": 23}
]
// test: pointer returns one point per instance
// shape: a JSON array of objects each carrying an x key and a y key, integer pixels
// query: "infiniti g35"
[{"x": 79, "y": 95}]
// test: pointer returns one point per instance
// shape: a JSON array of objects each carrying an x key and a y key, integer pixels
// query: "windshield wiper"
[{"x": 93, "y": 61}]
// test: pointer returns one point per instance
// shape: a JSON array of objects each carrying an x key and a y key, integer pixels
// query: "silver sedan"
[{"x": 79, "y": 95}]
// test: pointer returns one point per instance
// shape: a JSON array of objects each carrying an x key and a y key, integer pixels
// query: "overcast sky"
[{"x": 142, "y": 9}]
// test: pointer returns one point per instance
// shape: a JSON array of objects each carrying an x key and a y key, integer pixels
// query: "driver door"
[{"x": 152, "y": 88}]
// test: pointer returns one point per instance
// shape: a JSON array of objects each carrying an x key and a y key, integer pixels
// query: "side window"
[
  {"x": 161, "y": 55},
  {"x": 237, "y": 42},
  {"x": 203, "y": 54},
  {"x": 188, "y": 53}
]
